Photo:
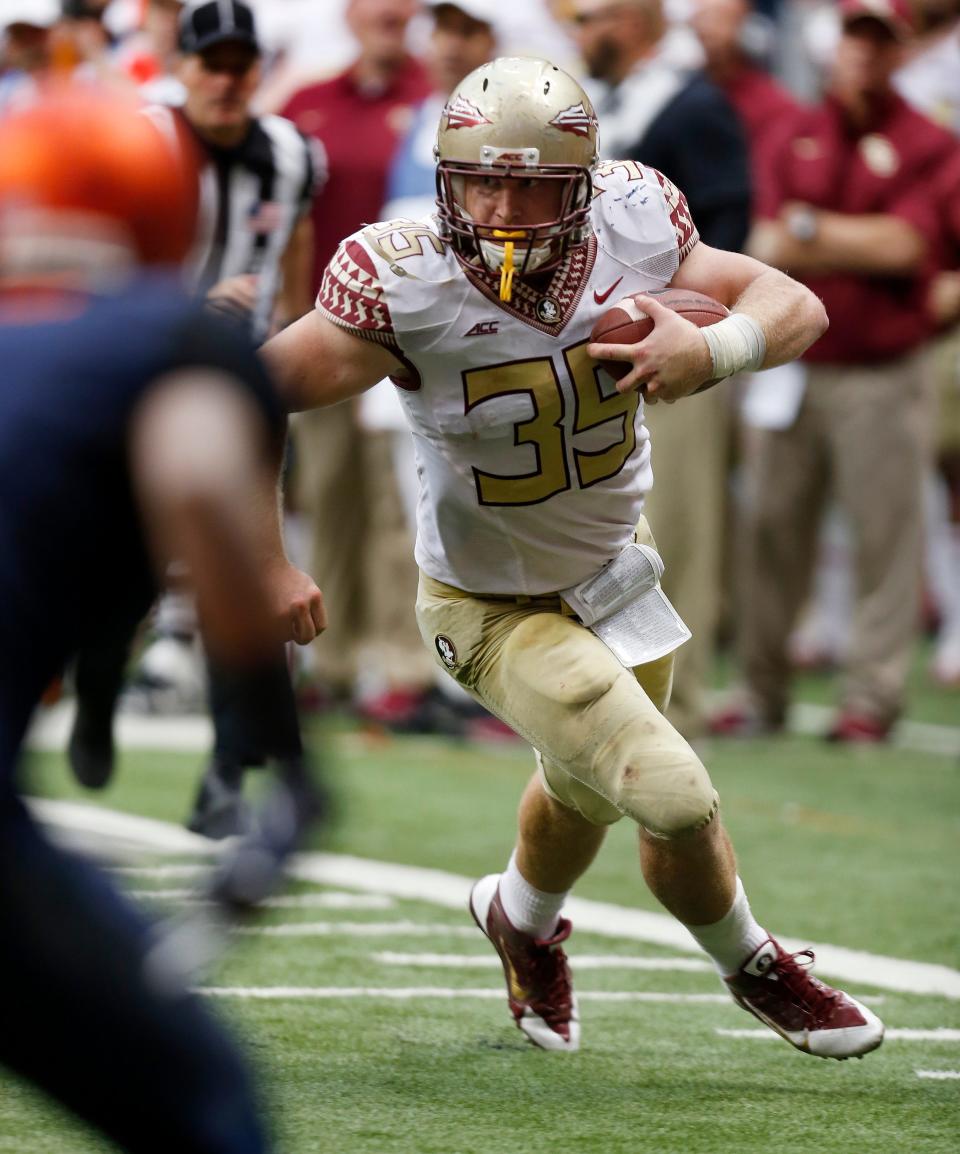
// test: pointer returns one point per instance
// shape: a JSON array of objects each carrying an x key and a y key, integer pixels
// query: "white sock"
[
  {"x": 732, "y": 940},
  {"x": 530, "y": 910}
]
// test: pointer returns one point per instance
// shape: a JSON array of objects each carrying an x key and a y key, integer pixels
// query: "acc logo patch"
[{"x": 446, "y": 649}]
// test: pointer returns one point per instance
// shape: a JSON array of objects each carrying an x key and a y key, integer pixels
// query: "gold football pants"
[{"x": 605, "y": 748}]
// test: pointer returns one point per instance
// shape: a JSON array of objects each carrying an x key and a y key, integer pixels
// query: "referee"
[{"x": 251, "y": 261}]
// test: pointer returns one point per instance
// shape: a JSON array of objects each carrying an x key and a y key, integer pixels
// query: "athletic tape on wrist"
[{"x": 737, "y": 342}]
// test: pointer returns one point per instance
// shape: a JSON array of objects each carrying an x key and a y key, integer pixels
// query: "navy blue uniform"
[{"x": 80, "y": 1017}]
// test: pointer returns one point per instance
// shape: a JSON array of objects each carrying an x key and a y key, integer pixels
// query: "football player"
[
  {"x": 133, "y": 428},
  {"x": 533, "y": 466}
]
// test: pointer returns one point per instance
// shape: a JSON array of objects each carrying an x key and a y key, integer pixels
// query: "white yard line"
[
  {"x": 938, "y": 1035},
  {"x": 106, "y": 830},
  {"x": 939, "y": 1075},
  {"x": 186, "y": 733},
  {"x": 410, "y": 993},
  {"x": 489, "y": 961},
  {"x": 358, "y": 930},
  {"x": 326, "y": 901},
  {"x": 193, "y": 733}
]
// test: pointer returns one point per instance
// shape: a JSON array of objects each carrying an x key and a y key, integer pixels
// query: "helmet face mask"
[
  {"x": 516, "y": 119},
  {"x": 537, "y": 245}
]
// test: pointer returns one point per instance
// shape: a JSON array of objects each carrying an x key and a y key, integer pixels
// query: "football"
[{"x": 625, "y": 323}]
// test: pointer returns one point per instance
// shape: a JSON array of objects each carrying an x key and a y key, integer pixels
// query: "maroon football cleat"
[
  {"x": 539, "y": 986},
  {"x": 779, "y": 990},
  {"x": 742, "y": 721},
  {"x": 859, "y": 729}
]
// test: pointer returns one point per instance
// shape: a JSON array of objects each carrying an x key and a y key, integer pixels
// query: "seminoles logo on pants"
[{"x": 446, "y": 649}]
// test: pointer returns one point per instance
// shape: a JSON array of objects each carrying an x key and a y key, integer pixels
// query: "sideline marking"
[
  {"x": 938, "y": 1075},
  {"x": 193, "y": 733},
  {"x": 327, "y": 901},
  {"x": 267, "y": 993},
  {"x": 106, "y": 830},
  {"x": 578, "y": 962},
  {"x": 356, "y": 930},
  {"x": 938, "y": 1035}
]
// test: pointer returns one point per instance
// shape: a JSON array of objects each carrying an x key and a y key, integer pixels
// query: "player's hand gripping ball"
[{"x": 625, "y": 323}]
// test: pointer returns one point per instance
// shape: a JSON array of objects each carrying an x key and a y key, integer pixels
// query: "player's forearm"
[{"x": 791, "y": 316}]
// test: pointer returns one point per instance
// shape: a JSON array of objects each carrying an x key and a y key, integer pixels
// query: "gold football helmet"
[{"x": 516, "y": 118}]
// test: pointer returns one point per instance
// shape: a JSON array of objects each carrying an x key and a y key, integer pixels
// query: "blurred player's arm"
[
  {"x": 315, "y": 363},
  {"x": 296, "y": 271},
  {"x": 206, "y": 487}
]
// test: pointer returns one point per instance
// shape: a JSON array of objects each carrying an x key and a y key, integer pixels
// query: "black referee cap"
[{"x": 215, "y": 22}]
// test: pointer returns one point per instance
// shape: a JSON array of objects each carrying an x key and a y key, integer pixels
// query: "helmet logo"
[
  {"x": 575, "y": 119},
  {"x": 460, "y": 113}
]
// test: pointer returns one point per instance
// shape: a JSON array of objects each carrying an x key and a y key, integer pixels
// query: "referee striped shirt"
[{"x": 251, "y": 199}]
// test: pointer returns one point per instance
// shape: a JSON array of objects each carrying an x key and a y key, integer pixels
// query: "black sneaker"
[
  {"x": 90, "y": 749},
  {"x": 220, "y": 810}
]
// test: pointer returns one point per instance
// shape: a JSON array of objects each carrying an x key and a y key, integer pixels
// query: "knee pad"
[{"x": 662, "y": 785}]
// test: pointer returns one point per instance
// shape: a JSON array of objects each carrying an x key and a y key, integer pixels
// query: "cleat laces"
[
  {"x": 552, "y": 987},
  {"x": 806, "y": 991}
]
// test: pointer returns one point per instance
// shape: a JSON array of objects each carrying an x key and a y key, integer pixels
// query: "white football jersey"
[{"x": 532, "y": 466}]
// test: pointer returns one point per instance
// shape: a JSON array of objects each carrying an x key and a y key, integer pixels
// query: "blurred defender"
[
  {"x": 533, "y": 470},
  {"x": 132, "y": 429}
]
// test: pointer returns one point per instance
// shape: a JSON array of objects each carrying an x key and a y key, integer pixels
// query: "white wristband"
[{"x": 737, "y": 342}]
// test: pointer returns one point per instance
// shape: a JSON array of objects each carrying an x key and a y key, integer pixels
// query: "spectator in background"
[
  {"x": 25, "y": 49},
  {"x": 723, "y": 28},
  {"x": 943, "y": 549},
  {"x": 132, "y": 429},
  {"x": 678, "y": 122},
  {"x": 846, "y": 205},
  {"x": 929, "y": 78},
  {"x": 930, "y": 82},
  {"x": 463, "y": 36},
  {"x": 359, "y": 117},
  {"x": 149, "y": 56}
]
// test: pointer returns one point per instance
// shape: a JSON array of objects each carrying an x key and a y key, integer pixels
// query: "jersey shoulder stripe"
[
  {"x": 680, "y": 216},
  {"x": 352, "y": 296}
]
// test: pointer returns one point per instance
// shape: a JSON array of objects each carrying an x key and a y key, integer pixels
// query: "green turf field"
[{"x": 853, "y": 848}]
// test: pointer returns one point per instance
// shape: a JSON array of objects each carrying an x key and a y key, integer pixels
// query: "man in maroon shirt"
[
  {"x": 359, "y": 117},
  {"x": 759, "y": 100},
  {"x": 845, "y": 204}
]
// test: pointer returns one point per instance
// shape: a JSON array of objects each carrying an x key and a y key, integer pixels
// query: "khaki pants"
[
  {"x": 362, "y": 552},
  {"x": 863, "y": 437},
  {"x": 605, "y": 747},
  {"x": 687, "y": 512}
]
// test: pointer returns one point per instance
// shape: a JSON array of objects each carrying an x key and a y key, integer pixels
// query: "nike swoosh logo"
[
  {"x": 601, "y": 297},
  {"x": 517, "y": 992}
]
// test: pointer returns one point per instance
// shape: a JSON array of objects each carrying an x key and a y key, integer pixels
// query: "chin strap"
[{"x": 506, "y": 269}]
